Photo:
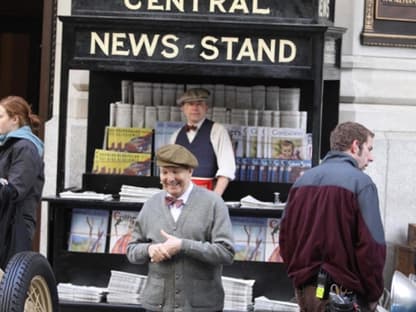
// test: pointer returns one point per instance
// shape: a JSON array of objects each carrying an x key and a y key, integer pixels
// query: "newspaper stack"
[
  {"x": 85, "y": 195},
  {"x": 136, "y": 193},
  {"x": 238, "y": 293},
  {"x": 251, "y": 202},
  {"x": 125, "y": 287},
  {"x": 263, "y": 304},
  {"x": 78, "y": 293},
  {"x": 289, "y": 99}
]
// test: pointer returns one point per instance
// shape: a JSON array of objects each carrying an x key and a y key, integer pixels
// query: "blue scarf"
[{"x": 23, "y": 133}]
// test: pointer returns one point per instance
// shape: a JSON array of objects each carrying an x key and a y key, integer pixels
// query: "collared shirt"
[
  {"x": 222, "y": 146},
  {"x": 176, "y": 211}
]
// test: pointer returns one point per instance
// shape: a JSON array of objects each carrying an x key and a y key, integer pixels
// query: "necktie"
[
  {"x": 172, "y": 201},
  {"x": 190, "y": 127}
]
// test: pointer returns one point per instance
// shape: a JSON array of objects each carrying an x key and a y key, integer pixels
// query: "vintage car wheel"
[{"x": 28, "y": 285}]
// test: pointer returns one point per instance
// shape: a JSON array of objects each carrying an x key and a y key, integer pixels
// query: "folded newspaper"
[
  {"x": 85, "y": 195},
  {"x": 251, "y": 202},
  {"x": 263, "y": 304},
  {"x": 137, "y": 193},
  {"x": 81, "y": 293}
]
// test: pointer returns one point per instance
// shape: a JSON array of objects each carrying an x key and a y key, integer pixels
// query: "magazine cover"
[
  {"x": 288, "y": 143},
  {"x": 262, "y": 142},
  {"x": 122, "y": 224},
  {"x": 252, "y": 142},
  {"x": 294, "y": 169},
  {"x": 237, "y": 135},
  {"x": 163, "y": 132},
  {"x": 112, "y": 162},
  {"x": 272, "y": 241},
  {"x": 88, "y": 230},
  {"x": 249, "y": 238},
  {"x": 132, "y": 140},
  {"x": 273, "y": 170}
]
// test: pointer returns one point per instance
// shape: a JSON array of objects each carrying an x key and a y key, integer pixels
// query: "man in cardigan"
[
  {"x": 207, "y": 140},
  {"x": 184, "y": 233}
]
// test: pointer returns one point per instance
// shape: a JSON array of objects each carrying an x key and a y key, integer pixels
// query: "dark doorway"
[
  {"x": 20, "y": 49},
  {"x": 26, "y": 30}
]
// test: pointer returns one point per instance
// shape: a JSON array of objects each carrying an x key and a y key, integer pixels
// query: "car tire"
[{"x": 28, "y": 284}]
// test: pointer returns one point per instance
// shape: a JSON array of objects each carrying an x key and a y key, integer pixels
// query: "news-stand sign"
[{"x": 216, "y": 46}]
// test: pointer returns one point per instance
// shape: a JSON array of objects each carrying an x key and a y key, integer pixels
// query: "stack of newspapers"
[
  {"x": 125, "y": 287},
  {"x": 238, "y": 293},
  {"x": 78, "y": 293},
  {"x": 251, "y": 202},
  {"x": 263, "y": 304},
  {"x": 136, "y": 193},
  {"x": 85, "y": 195}
]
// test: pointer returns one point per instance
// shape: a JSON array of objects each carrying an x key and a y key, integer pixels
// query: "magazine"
[
  {"x": 122, "y": 225},
  {"x": 249, "y": 238},
  {"x": 272, "y": 253},
  {"x": 111, "y": 162},
  {"x": 88, "y": 230},
  {"x": 288, "y": 143},
  {"x": 133, "y": 140},
  {"x": 252, "y": 144},
  {"x": 237, "y": 135},
  {"x": 163, "y": 133}
]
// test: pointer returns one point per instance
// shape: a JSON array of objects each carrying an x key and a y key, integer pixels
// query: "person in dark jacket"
[
  {"x": 332, "y": 225},
  {"x": 21, "y": 175}
]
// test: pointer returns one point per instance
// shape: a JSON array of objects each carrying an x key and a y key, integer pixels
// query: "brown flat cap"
[
  {"x": 174, "y": 155},
  {"x": 194, "y": 94}
]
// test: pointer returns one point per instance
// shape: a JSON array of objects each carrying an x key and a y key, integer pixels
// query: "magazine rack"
[{"x": 315, "y": 70}]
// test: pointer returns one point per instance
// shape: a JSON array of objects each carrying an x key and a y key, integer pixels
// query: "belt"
[{"x": 330, "y": 286}]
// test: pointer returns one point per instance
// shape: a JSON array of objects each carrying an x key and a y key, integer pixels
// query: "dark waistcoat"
[{"x": 202, "y": 148}]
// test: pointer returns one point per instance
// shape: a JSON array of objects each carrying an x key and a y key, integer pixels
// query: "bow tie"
[
  {"x": 172, "y": 201},
  {"x": 190, "y": 127}
]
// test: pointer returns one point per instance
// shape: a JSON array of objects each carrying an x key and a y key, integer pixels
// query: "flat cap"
[
  {"x": 174, "y": 155},
  {"x": 194, "y": 94}
]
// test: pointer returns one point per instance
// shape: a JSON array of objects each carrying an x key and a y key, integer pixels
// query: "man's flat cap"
[
  {"x": 174, "y": 155},
  {"x": 194, "y": 94}
]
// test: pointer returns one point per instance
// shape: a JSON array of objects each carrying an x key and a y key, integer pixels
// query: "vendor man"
[
  {"x": 184, "y": 235},
  {"x": 209, "y": 141}
]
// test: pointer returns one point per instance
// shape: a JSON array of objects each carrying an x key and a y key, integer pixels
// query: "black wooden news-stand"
[{"x": 201, "y": 42}]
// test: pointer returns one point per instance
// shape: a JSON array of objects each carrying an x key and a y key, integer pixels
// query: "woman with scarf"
[{"x": 21, "y": 176}]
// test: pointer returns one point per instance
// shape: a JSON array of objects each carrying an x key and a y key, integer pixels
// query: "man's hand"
[
  {"x": 172, "y": 244},
  {"x": 158, "y": 253},
  {"x": 163, "y": 251}
]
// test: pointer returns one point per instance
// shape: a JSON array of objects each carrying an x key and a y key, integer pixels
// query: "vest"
[{"x": 202, "y": 148}]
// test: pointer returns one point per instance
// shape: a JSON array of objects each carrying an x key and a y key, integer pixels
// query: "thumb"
[{"x": 164, "y": 234}]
